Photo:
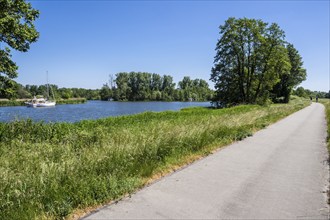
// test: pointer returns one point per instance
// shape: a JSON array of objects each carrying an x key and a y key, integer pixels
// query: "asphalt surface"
[{"x": 280, "y": 172}]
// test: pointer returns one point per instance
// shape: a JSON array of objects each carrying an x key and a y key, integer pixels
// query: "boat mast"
[
  {"x": 51, "y": 90},
  {"x": 47, "y": 85}
]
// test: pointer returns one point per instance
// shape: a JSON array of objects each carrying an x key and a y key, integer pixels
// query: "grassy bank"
[
  {"x": 71, "y": 101},
  {"x": 6, "y": 102},
  {"x": 19, "y": 102},
  {"x": 50, "y": 170},
  {"x": 326, "y": 103}
]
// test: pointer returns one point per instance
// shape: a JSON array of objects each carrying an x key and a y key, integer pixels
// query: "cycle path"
[{"x": 280, "y": 172}]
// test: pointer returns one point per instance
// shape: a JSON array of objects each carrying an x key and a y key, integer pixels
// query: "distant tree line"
[
  {"x": 142, "y": 86},
  {"x": 133, "y": 86},
  {"x": 19, "y": 91},
  {"x": 254, "y": 63},
  {"x": 306, "y": 93}
]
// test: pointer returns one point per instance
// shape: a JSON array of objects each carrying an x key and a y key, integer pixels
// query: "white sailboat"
[{"x": 42, "y": 102}]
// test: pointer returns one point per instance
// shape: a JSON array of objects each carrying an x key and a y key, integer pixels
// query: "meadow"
[{"x": 51, "y": 170}]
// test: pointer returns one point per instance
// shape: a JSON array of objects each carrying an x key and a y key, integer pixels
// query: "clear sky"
[{"x": 82, "y": 42}]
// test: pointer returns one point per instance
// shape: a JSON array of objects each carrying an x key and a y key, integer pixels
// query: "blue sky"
[{"x": 82, "y": 42}]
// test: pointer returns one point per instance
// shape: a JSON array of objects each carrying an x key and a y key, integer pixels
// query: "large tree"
[
  {"x": 250, "y": 57},
  {"x": 17, "y": 31},
  {"x": 196, "y": 90},
  {"x": 291, "y": 78}
]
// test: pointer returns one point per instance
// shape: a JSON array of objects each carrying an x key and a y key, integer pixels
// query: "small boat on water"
[{"x": 40, "y": 102}]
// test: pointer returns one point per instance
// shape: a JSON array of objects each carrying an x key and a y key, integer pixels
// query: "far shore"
[{"x": 21, "y": 102}]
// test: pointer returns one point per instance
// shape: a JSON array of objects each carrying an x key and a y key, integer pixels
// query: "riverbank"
[
  {"x": 52, "y": 170},
  {"x": 326, "y": 103},
  {"x": 21, "y": 102}
]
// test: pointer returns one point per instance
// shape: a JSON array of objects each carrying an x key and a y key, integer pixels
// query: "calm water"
[{"x": 89, "y": 110}]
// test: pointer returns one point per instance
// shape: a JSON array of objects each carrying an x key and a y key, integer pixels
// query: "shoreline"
[{"x": 21, "y": 102}]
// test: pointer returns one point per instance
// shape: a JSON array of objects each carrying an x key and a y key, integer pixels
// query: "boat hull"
[
  {"x": 46, "y": 104},
  {"x": 40, "y": 104},
  {"x": 32, "y": 105}
]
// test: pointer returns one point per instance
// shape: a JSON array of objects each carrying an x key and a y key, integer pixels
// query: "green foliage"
[
  {"x": 26, "y": 92},
  {"x": 71, "y": 101},
  {"x": 7, "y": 87},
  {"x": 17, "y": 31},
  {"x": 141, "y": 86},
  {"x": 133, "y": 86},
  {"x": 106, "y": 93},
  {"x": 306, "y": 93},
  {"x": 290, "y": 79},
  {"x": 11, "y": 103},
  {"x": 251, "y": 60},
  {"x": 4, "y": 102},
  {"x": 197, "y": 90},
  {"x": 48, "y": 170},
  {"x": 301, "y": 92}
]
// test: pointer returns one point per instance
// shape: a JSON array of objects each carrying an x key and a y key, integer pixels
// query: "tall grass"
[
  {"x": 49, "y": 170},
  {"x": 4, "y": 103},
  {"x": 71, "y": 101},
  {"x": 326, "y": 103}
]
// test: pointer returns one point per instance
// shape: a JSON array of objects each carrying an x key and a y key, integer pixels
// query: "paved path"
[{"x": 279, "y": 173}]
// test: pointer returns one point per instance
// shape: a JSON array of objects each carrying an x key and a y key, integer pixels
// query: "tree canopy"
[
  {"x": 251, "y": 60},
  {"x": 292, "y": 78},
  {"x": 29, "y": 91},
  {"x": 133, "y": 86},
  {"x": 17, "y": 31},
  {"x": 142, "y": 86},
  {"x": 306, "y": 93}
]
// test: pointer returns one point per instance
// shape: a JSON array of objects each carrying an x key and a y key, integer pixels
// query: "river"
[{"x": 89, "y": 110}]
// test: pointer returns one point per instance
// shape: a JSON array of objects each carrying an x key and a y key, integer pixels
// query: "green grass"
[
  {"x": 49, "y": 170},
  {"x": 326, "y": 103},
  {"x": 71, "y": 101},
  {"x": 4, "y": 103}
]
